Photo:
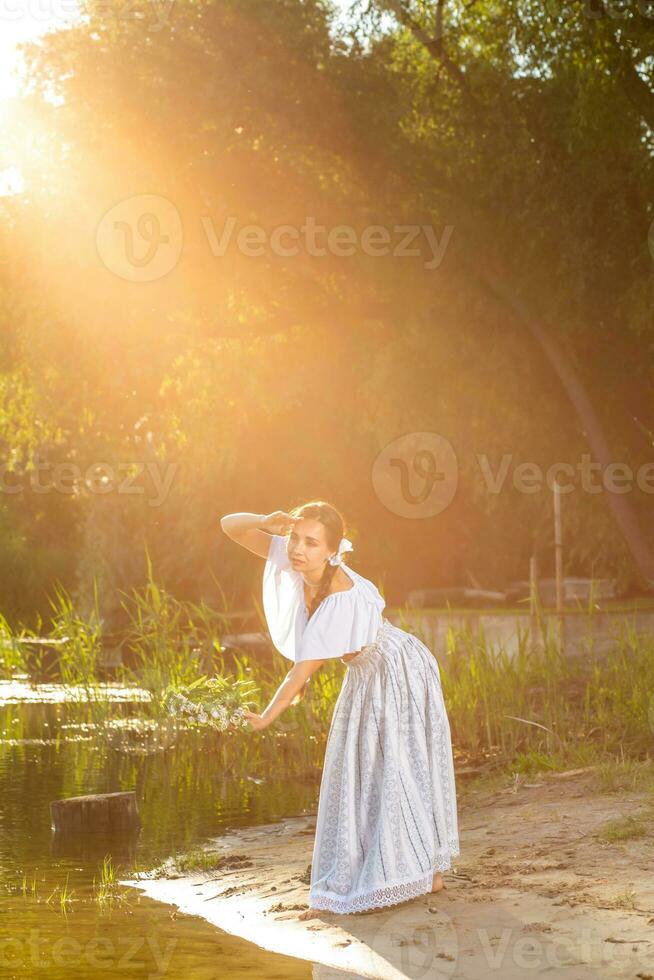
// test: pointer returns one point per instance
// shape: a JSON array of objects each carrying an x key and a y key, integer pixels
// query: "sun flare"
[{"x": 19, "y": 25}]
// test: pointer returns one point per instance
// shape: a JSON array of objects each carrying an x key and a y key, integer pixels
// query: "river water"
[{"x": 187, "y": 791}]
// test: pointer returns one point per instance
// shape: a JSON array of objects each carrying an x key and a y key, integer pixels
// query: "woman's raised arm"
[{"x": 253, "y": 531}]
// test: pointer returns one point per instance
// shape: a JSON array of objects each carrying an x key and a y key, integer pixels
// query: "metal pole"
[
  {"x": 558, "y": 553},
  {"x": 533, "y": 599}
]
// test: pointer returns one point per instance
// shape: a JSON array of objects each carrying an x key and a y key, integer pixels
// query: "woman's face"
[{"x": 307, "y": 546}]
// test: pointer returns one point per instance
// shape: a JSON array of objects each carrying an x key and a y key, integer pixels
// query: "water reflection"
[{"x": 190, "y": 786}]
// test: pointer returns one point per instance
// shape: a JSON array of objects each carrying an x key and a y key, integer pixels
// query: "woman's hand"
[
  {"x": 279, "y": 522},
  {"x": 255, "y": 720}
]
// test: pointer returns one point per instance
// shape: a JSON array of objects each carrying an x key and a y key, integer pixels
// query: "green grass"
[
  {"x": 29, "y": 887},
  {"x": 624, "y": 776},
  {"x": 204, "y": 860},
  {"x": 629, "y": 828},
  {"x": 531, "y": 711},
  {"x": 61, "y": 894},
  {"x": 538, "y": 705},
  {"x": 625, "y": 900},
  {"x": 107, "y": 892},
  {"x": 606, "y": 605}
]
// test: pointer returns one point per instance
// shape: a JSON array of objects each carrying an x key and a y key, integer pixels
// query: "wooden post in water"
[
  {"x": 101, "y": 812},
  {"x": 558, "y": 554}
]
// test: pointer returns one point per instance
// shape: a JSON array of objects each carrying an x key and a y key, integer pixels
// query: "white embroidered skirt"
[{"x": 387, "y": 818}]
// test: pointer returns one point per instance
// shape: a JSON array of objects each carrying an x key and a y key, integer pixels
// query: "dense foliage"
[{"x": 519, "y": 134}]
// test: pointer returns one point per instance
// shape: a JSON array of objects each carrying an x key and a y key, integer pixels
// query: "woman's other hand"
[{"x": 255, "y": 720}]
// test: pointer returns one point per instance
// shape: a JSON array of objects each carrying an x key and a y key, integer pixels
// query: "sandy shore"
[{"x": 535, "y": 891}]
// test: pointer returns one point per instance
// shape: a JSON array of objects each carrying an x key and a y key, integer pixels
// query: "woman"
[{"x": 387, "y": 823}]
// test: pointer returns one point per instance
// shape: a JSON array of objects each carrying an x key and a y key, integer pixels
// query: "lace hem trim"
[{"x": 389, "y": 895}]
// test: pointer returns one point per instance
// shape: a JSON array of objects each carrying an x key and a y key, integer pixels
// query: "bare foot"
[{"x": 437, "y": 883}]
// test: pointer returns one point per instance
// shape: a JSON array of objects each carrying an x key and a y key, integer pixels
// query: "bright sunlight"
[{"x": 20, "y": 24}]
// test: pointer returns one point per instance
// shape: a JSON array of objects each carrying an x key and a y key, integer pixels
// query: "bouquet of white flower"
[{"x": 215, "y": 701}]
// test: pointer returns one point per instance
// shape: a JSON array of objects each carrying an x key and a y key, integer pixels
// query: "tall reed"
[
  {"x": 542, "y": 703},
  {"x": 79, "y": 653},
  {"x": 172, "y": 641},
  {"x": 12, "y": 659},
  {"x": 531, "y": 707}
]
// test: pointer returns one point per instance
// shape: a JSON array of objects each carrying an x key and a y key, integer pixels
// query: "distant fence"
[{"x": 577, "y": 631}]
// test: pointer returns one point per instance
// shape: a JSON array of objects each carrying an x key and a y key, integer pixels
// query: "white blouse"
[{"x": 344, "y": 622}]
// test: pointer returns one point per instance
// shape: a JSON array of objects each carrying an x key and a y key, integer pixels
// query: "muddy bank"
[{"x": 547, "y": 883}]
